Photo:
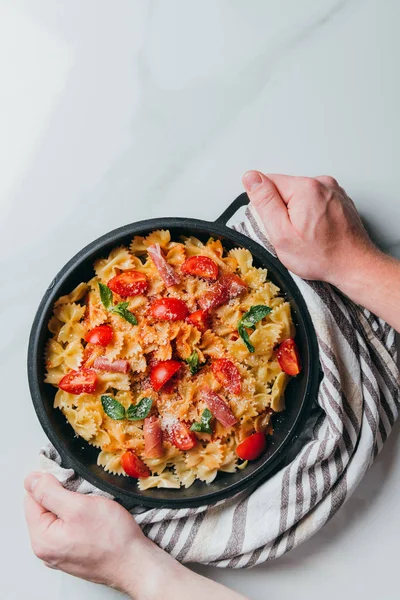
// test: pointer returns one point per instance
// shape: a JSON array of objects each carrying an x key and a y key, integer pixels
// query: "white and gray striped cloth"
[{"x": 358, "y": 403}]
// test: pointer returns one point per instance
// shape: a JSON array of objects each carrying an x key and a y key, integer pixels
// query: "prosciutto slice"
[
  {"x": 117, "y": 366},
  {"x": 166, "y": 271},
  {"x": 218, "y": 407},
  {"x": 152, "y": 437}
]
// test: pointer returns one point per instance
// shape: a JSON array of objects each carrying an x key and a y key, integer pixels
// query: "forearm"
[
  {"x": 373, "y": 281},
  {"x": 156, "y": 575}
]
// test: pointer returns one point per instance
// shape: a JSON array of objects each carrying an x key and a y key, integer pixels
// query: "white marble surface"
[{"x": 111, "y": 112}]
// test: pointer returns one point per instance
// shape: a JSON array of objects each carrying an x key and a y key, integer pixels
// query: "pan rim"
[{"x": 112, "y": 237}]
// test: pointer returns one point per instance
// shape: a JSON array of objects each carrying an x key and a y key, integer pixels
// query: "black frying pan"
[{"x": 80, "y": 456}]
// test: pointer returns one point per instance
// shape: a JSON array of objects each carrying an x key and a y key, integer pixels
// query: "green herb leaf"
[
  {"x": 106, "y": 296},
  {"x": 205, "y": 423},
  {"x": 193, "y": 362},
  {"x": 139, "y": 411},
  {"x": 113, "y": 408},
  {"x": 121, "y": 309},
  {"x": 248, "y": 321},
  {"x": 255, "y": 314},
  {"x": 245, "y": 337}
]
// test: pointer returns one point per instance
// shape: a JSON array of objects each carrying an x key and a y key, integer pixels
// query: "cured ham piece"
[
  {"x": 166, "y": 271},
  {"x": 117, "y": 366},
  {"x": 153, "y": 447},
  {"x": 218, "y": 407}
]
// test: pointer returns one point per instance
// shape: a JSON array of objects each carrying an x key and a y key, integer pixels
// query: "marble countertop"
[{"x": 112, "y": 112}]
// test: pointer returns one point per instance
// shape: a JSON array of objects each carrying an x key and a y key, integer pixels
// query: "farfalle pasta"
[{"x": 172, "y": 359}]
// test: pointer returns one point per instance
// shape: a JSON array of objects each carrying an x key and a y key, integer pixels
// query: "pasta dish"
[{"x": 172, "y": 359}]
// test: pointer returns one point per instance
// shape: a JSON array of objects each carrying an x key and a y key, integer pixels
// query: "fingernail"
[
  {"x": 34, "y": 482},
  {"x": 252, "y": 180}
]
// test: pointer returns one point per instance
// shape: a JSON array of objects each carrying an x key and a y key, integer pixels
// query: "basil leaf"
[
  {"x": 113, "y": 408},
  {"x": 255, "y": 314},
  {"x": 106, "y": 296},
  {"x": 245, "y": 337},
  {"x": 193, "y": 362},
  {"x": 204, "y": 426},
  {"x": 121, "y": 309},
  {"x": 139, "y": 411}
]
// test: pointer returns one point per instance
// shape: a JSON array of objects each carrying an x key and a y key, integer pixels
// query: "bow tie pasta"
[{"x": 172, "y": 359}]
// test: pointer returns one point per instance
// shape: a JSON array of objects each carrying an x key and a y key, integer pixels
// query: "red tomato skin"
[
  {"x": 215, "y": 296},
  {"x": 100, "y": 336},
  {"x": 85, "y": 382},
  {"x": 201, "y": 266},
  {"x": 227, "y": 374},
  {"x": 182, "y": 437},
  {"x": 289, "y": 358},
  {"x": 200, "y": 319},
  {"x": 252, "y": 447},
  {"x": 162, "y": 372},
  {"x": 128, "y": 283},
  {"x": 134, "y": 466},
  {"x": 169, "y": 309}
]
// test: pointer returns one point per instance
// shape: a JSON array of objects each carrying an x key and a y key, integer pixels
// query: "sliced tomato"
[
  {"x": 200, "y": 319},
  {"x": 79, "y": 382},
  {"x": 215, "y": 296},
  {"x": 162, "y": 372},
  {"x": 289, "y": 358},
  {"x": 252, "y": 447},
  {"x": 227, "y": 374},
  {"x": 218, "y": 407},
  {"x": 100, "y": 336},
  {"x": 165, "y": 270},
  {"x": 233, "y": 284},
  {"x": 169, "y": 309},
  {"x": 128, "y": 283},
  {"x": 182, "y": 437},
  {"x": 153, "y": 447},
  {"x": 201, "y": 266},
  {"x": 134, "y": 466}
]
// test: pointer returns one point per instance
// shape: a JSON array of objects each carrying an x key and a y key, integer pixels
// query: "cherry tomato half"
[
  {"x": 128, "y": 283},
  {"x": 100, "y": 336},
  {"x": 227, "y": 374},
  {"x": 162, "y": 372},
  {"x": 201, "y": 266},
  {"x": 182, "y": 437},
  {"x": 252, "y": 447},
  {"x": 134, "y": 466},
  {"x": 289, "y": 358},
  {"x": 169, "y": 309},
  {"x": 200, "y": 319},
  {"x": 79, "y": 382}
]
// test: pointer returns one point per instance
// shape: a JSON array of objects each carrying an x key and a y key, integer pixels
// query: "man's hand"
[
  {"x": 98, "y": 540},
  {"x": 312, "y": 223},
  {"x": 87, "y": 536},
  {"x": 318, "y": 234}
]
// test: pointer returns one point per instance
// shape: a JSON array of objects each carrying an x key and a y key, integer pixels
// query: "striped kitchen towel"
[{"x": 357, "y": 405}]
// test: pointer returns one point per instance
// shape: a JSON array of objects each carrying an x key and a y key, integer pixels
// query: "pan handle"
[{"x": 241, "y": 200}]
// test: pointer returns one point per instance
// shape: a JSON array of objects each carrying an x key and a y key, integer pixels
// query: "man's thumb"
[
  {"x": 267, "y": 201},
  {"x": 49, "y": 493}
]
